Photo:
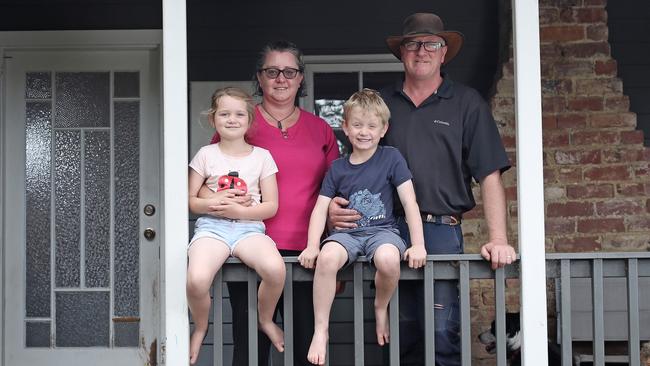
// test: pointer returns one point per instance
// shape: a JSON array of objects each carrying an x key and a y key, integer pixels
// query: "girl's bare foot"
[
  {"x": 382, "y": 326},
  {"x": 195, "y": 343},
  {"x": 318, "y": 348},
  {"x": 275, "y": 334}
]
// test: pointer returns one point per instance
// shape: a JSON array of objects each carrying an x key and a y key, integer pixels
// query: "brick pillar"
[{"x": 596, "y": 170}]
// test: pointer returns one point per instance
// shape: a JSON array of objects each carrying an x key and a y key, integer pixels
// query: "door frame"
[{"x": 150, "y": 40}]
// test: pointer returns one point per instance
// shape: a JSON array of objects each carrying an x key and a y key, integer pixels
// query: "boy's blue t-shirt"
[{"x": 369, "y": 186}]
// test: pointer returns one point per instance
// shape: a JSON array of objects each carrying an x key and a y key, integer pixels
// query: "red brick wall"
[{"x": 596, "y": 170}]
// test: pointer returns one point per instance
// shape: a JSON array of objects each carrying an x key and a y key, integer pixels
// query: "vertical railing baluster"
[
  {"x": 393, "y": 346},
  {"x": 217, "y": 315},
  {"x": 565, "y": 312},
  {"x": 358, "y": 314},
  {"x": 466, "y": 332},
  {"x": 287, "y": 315},
  {"x": 429, "y": 319},
  {"x": 633, "y": 310},
  {"x": 500, "y": 308},
  {"x": 598, "y": 313},
  {"x": 252, "y": 317}
]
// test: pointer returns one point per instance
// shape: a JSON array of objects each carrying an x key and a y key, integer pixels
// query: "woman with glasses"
[{"x": 303, "y": 147}]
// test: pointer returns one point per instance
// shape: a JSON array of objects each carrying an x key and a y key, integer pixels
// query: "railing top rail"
[
  {"x": 608, "y": 255},
  {"x": 432, "y": 257},
  {"x": 477, "y": 257}
]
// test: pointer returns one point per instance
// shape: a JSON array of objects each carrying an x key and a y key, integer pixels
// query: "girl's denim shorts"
[{"x": 228, "y": 231}]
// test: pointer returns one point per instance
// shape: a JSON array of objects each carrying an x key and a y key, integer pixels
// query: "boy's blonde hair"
[
  {"x": 232, "y": 92},
  {"x": 369, "y": 101}
]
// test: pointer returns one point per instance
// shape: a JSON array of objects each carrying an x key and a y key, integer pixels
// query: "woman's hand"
[
  {"x": 308, "y": 257},
  {"x": 340, "y": 217}
]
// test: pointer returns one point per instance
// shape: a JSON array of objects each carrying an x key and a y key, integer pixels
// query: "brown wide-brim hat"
[{"x": 426, "y": 24}]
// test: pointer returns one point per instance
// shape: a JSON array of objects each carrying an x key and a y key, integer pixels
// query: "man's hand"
[
  {"x": 499, "y": 253},
  {"x": 339, "y": 217},
  {"x": 416, "y": 256},
  {"x": 308, "y": 257},
  {"x": 497, "y": 249}
]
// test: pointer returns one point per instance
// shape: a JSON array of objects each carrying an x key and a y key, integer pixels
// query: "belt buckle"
[
  {"x": 453, "y": 221},
  {"x": 450, "y": 220}
]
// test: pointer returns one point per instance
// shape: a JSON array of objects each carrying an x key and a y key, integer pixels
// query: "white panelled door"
[{"x": 83, "y": 184}]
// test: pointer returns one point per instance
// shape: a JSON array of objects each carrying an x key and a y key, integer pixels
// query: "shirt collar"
[{"x": 445, "y": 90}]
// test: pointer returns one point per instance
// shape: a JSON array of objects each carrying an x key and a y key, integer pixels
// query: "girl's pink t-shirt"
[{"x": 303, "y": 158}]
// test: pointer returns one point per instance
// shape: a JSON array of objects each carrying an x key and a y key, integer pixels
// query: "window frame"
[{"x": 345, "y": 63}]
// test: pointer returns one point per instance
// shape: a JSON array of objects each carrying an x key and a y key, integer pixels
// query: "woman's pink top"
[{"x": 303, "y": 158}]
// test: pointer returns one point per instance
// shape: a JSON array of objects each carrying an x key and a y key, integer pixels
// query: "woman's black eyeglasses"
[{"x": 273, "y": 72}]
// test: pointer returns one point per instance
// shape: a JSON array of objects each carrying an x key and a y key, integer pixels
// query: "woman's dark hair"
[{"x": 279, "y": 46}]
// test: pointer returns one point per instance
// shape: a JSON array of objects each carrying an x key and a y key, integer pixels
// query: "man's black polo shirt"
[{"x": 447, "y": 140}]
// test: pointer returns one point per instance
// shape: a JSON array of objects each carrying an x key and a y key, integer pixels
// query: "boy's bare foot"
[
  {"x": 318, "y": 348},
  {"x": 382, "y": 326},
  {"x": 275, "y": 334},
  {"x": 195, "y": 344}
]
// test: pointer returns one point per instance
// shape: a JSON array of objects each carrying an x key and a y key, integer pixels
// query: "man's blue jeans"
[{"x": 439, "y": 239}]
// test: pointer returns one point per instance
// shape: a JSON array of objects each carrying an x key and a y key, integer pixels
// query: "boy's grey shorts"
[{"x": 366, "y": 241}]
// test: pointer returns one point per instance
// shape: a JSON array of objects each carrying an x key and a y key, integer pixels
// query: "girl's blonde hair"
[
  {"x": 232, "y": 92},
  {"x": 369, "y": 101}
]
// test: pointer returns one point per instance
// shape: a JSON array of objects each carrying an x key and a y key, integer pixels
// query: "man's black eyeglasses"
[
  {"x": 273, "y": 73},
  {"x": 431, "y": 46}
]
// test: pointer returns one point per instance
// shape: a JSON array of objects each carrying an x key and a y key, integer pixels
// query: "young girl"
[{"x": 234, "y": 168}]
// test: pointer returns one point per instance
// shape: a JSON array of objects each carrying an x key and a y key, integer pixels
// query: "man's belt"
[{"x": 451, "y": 220}]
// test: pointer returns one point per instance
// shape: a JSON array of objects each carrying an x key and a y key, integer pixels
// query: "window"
[{"x": 332, "y": 79}]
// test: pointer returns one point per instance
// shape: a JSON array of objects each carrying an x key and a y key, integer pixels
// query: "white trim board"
[
  {"x": 530, "y": 179},
  {"x": 146, "y": 39},
  {"x": 175, "y": 326}
]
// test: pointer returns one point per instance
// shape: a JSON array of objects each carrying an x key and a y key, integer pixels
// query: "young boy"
[{"x": 367, "y": 178}]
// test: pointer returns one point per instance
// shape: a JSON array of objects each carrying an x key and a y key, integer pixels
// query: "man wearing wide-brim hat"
[
  {"x": 446, "y": 132},
  {"x": 426, "y": 24}
]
